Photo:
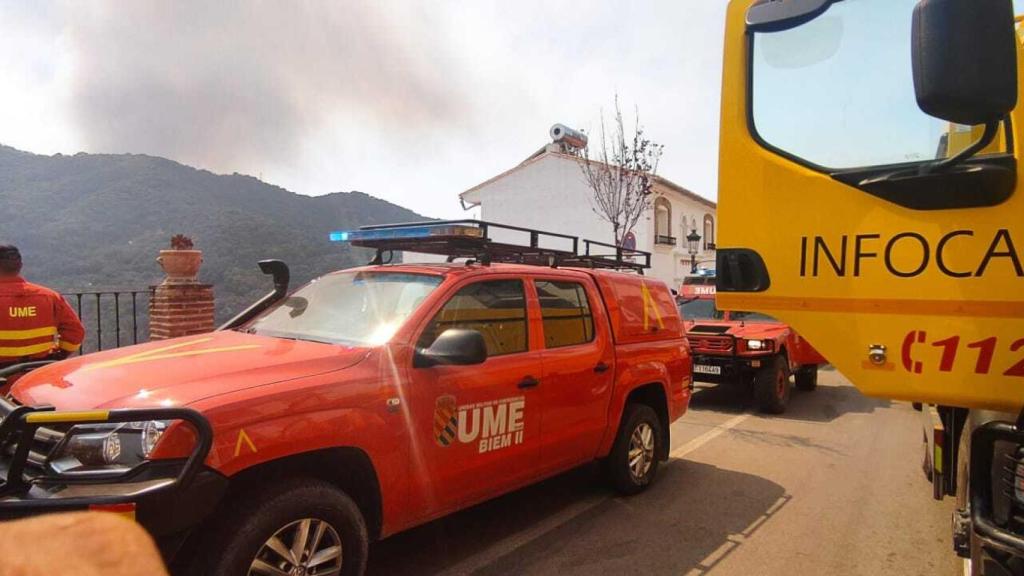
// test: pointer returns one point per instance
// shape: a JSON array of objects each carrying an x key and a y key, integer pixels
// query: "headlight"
[
  {"x": 755, "y": 344},
  {"x": 151, "y": 433},
  {"x": 106, "y": 447}
]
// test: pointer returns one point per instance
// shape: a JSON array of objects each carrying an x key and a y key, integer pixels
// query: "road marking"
[
  {"x": 504, "y": 547},
  {"x": 708, "y": 436},
  {"x": 734, "y": 541},
  {"x": 509, "y": 545}
]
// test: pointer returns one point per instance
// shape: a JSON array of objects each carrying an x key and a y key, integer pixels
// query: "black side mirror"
[
  {"x": 965, "y": 59},
  {"x": 454, "y": 346}
]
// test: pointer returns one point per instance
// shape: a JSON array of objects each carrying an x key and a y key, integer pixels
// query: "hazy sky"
[{"x": 413, "y": 102}]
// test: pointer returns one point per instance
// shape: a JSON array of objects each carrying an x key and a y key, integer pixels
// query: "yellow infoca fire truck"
[{"x": 869, "y": 197}]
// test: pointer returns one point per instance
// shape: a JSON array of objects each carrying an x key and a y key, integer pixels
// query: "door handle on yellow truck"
[{"x": 528, "y": 382}]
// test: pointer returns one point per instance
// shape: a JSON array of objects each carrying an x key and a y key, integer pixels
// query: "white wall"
[
  {"x": 672, "y": 263},
  {"x": 551, "y": 194},
  {"x": 548, "y": 194}
]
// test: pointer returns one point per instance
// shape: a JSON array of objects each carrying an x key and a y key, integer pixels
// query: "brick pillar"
[{"x": 180, "y": 306}]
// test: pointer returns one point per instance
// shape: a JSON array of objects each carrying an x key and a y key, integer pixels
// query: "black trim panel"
[
  {"x": 978, "y": 182},
  {"x": 741, "y": 270}
]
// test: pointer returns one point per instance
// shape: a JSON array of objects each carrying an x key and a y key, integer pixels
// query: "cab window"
[
  {"x": 496, "y": 309},
  {"x": 837, "y": 92},
  {"x": 568, "y": 319}
]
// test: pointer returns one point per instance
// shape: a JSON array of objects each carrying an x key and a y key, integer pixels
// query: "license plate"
[{"x": 706, "y": 369}]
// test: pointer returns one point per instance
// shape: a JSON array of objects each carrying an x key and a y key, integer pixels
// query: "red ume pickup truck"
[
  {"x": 362, "y": 404},
  {"x": 745, "y": 348}
]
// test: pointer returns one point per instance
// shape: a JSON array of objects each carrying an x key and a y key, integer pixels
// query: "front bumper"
[
  {"x": 996, "y": 524},
  {"x": 167, "y": 497},
  {"x": 731, "y": 369}
]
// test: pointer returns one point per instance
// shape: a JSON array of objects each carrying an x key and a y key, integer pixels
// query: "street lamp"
[{"x": 693, "y": 242}]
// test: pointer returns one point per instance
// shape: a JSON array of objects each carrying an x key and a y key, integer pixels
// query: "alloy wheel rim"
[
  {"x": 307, "y": 547},
  {"x": 641, "y": 451}
]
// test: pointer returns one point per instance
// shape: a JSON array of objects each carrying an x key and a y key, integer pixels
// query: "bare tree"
[{"x": 620, "y": 173}]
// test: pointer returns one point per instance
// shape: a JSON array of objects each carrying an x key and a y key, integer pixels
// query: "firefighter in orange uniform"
[{"x": 36, "y": 323}]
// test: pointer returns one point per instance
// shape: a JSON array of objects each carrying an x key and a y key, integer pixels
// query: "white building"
[{"x": 548, "y": 192}]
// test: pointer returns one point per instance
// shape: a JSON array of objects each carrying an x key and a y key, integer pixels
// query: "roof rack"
[{"x": 487, "y": 242}]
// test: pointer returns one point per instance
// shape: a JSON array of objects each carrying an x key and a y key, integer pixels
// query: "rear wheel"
[
  {"x": 301, "y": 527},
  {"x": 807, "y": 378},
  {"x": 771, "y": 386},
  {"x": 633, "y": 462}
]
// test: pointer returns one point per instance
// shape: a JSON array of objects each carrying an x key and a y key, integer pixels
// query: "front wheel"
[
  {"x": 303, "y": 527},
  {"x": 771, "y": 386},
  {"x": 807, "y": 378},
  {"x": 633, "y": 462}
]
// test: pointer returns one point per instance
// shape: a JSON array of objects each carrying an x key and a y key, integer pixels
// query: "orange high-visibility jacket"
[{"x": 35, "y": 322}]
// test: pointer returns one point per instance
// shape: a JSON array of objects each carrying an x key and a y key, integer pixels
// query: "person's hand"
[
  {"x": 59, "y": 354},
  {"x": 80, "y": 543}
]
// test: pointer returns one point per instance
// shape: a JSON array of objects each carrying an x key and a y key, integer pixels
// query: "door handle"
[
  {"x": 528, "y": 382},
  {"x": 601, "y": 367}
]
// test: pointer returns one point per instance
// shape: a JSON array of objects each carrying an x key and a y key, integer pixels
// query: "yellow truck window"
[{"x": 838, "y": 92}]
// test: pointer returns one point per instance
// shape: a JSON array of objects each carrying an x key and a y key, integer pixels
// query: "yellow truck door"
[{"x": 839, "y": 217}]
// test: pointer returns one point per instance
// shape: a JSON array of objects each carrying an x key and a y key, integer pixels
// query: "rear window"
[{"x": 566, "y": 312}]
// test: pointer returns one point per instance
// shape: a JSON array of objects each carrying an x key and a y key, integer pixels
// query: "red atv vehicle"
[{"x": 745, "y": 348}]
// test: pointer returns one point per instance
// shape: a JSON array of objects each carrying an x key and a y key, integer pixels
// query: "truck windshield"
[
  {"x": 354, "y": 308},
  {"x": 704, "y": 309},
  {"x": 698, "y": 309}
]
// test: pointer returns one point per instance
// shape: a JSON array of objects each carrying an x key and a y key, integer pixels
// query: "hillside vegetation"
[{"x": 86, "y": 222}]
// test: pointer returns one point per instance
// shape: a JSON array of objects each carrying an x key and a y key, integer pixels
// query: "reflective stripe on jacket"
[{"x": 35, "y": 322}]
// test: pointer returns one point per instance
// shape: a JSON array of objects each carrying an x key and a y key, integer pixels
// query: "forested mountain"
[{"x": 98, "y": 221}]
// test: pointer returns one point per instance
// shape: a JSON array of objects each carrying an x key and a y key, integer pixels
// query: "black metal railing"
[
  {"x": 666, "y": 240},
  {"x": 112, "y": 318}
]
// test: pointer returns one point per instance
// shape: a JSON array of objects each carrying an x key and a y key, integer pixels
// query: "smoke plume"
[{"x": 225, "y": 83}]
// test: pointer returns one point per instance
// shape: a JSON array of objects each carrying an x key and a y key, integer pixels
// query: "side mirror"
[
  {"x": 454, "y": 346},
  {"x": 964, "y": 58}
]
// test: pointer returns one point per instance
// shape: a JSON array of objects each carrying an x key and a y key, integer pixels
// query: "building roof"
[{"x": 549, "y": 150}]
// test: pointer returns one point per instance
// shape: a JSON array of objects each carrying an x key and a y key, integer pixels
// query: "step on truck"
[
  {"x": 750, "y": 351},
  {"x": 368, "y": 401},
  {"x": 870, "y": 197}
]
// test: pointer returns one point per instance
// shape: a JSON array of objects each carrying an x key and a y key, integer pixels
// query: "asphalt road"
[{"x": 833, "y": 486}]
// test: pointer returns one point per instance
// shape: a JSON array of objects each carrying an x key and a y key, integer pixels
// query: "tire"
[
  {"x": 240, "y": 533},
  {"x": 973, "y": 564},
  {"x": 771, "y": 386},
  {"x": 640, "y": 430},
  {"x": 807, "y": 378}
]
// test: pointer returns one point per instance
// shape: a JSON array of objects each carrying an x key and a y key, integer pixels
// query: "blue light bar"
[{"x": 407, "y": 232}]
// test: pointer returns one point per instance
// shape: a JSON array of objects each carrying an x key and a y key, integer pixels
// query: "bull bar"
[
  {"x": 994, "y": 535},
  {"x": 20, "y": 425}
]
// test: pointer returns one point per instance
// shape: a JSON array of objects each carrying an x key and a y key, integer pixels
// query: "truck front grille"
[{"x": 711, "y": 343}]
